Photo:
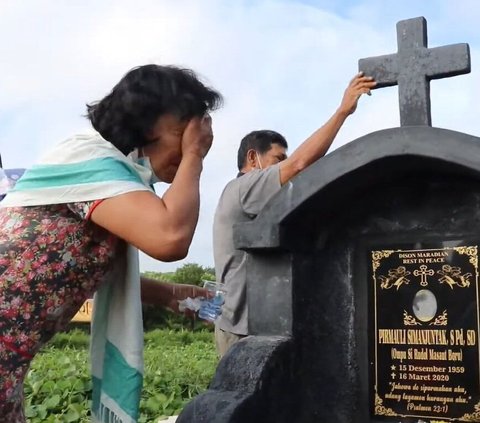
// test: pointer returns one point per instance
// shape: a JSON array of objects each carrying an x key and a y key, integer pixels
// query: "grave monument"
[{"x": 363, "y": 272}]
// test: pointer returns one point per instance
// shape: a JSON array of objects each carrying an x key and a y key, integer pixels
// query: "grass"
[{"x": 178, "y": 366}]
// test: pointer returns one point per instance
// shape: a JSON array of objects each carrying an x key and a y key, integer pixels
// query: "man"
[{"x": 264, "y": 167}]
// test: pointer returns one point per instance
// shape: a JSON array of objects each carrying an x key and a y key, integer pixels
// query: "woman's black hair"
[{"x": 126, "y": 116}]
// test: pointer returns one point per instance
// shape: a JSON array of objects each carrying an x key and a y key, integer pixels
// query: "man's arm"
[
  {"x": 165, "y": 294},
  {"x": 320, "y": 141}
]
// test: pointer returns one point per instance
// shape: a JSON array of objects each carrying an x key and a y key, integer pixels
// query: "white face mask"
[
  {"x": 145, "y": 162},
  {"x": 258, "y": 160}
]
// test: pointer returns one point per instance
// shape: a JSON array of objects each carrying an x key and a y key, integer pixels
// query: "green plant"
[
  {"x": 178, "y": 365},
  {"x": 58, "y": 386},
  {"x": 190, "y": 273}
]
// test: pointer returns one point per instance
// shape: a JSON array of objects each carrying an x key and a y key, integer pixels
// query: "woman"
[{"x": 67, "y": 223}]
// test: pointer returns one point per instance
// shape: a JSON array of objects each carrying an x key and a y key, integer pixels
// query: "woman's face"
[{"x": 165, "y": 149}]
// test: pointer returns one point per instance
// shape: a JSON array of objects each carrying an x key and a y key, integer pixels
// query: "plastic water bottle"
[{"x": 211, "y": 307}]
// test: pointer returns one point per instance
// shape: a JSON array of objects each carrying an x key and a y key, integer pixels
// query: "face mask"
[
  {"x": 145, "y": 162},
  {"x": 258, "y": 160}
]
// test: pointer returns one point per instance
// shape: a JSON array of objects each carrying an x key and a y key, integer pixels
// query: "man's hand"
[
  {"x": 359, "y": 85},
  {"x": 167, "y": 294},
  {"x": 182, "y": 291}
]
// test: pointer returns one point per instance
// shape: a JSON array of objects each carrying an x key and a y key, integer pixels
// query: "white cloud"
[{"x": 280, "y": 64}]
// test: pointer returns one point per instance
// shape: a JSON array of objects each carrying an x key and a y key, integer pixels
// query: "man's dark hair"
[
  {"x": 261, "y": 142},
  {"x": 126, "y": 116}
]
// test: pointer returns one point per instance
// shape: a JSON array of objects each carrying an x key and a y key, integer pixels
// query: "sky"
[{"x": 280, "y": 64}]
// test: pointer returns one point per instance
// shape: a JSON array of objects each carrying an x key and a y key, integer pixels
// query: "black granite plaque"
[{"x": 424, "y": 321}]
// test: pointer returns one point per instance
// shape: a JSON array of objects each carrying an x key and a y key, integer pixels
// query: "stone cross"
[{"x": 412, "y": 68}]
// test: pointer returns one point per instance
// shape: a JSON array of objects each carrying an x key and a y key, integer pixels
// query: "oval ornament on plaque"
[{"x": 424, "y": 305}]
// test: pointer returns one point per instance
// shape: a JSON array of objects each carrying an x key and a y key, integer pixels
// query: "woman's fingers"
[{"x": 198, "y": 136}]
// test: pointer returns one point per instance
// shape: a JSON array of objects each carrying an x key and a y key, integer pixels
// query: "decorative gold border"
[
  {"x": 409, "y": 320},
  {"x": 471, "y": 251},
  {"x": 377, "y": 256},
  {"x": 380, "y": 409},
  {"x": 441, "y": 320},
  {"x": 474, "y": 417}
]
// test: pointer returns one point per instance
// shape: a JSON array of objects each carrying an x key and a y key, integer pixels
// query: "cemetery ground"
[
  {"x": 180, "y": 360},
  {"x": 179, "y": 364}
]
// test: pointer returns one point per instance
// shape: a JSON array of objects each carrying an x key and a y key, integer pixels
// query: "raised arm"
[
  {"x": 320, "y": 141},
  {"x": 162, "y": 227}
]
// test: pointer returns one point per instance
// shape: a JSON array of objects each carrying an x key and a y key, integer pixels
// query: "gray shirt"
[{"x": 241, "y": 201}]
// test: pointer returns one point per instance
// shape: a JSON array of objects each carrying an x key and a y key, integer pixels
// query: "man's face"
[{"x": 275, "y": 155}]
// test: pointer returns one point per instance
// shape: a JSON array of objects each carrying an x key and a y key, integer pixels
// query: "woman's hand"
[
  {"x": 198, "y": 136},
  {"x": 163, "y": 227},
  {"x": 359, "y": 85}
]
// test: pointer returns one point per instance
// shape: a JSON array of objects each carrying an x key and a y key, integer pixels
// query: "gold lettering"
[
  {"x": 414, "y": 376},
  {"x": 406, "y": 255},
  {"x": 435, "y": 260},
  {"x": 420, "y": 354},
  {"x": 442, "y": 388},
  {"x": 418, "y": 407},
  {"x": 430, "y": 254},
  {"x": 455, "y": 355},
  {"x": 398, "y": 354},
  {"x": 400, "y": 387},
  {"x": 396, "y": 397},
  {"x": 437, "y": 355},
  {"x": 443, "y": 400},
  {"x": 409, "y": 397},
  {"x": 426, "y": 369},
  {"x": 427, "y": 337},
  {"x": 391, "y": 336},
  {"x": 471, "y": 337}
]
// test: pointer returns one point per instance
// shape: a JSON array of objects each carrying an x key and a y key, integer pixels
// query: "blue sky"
[{"x": 280, "y": 65}]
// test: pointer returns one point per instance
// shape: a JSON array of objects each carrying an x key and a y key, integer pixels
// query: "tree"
[
  {"x": 160, "y": 276},
  {"x": 193, "y": 273},
  {"x": 190, "y": 273}
]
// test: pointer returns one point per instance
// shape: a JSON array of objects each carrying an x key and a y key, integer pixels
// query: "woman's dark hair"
[
  {"x": 260, "y": 141},
  {"x": 126, "y": 116}
]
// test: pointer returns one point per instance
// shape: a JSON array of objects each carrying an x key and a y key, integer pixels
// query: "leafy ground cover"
[{"x": 179, "y": 364}]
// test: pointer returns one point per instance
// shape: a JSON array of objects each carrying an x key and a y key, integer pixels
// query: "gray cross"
[{"x": 412, "y": 68}]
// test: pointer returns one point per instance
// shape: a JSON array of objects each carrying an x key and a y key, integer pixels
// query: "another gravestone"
[{"x": 363, "y": 275}]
